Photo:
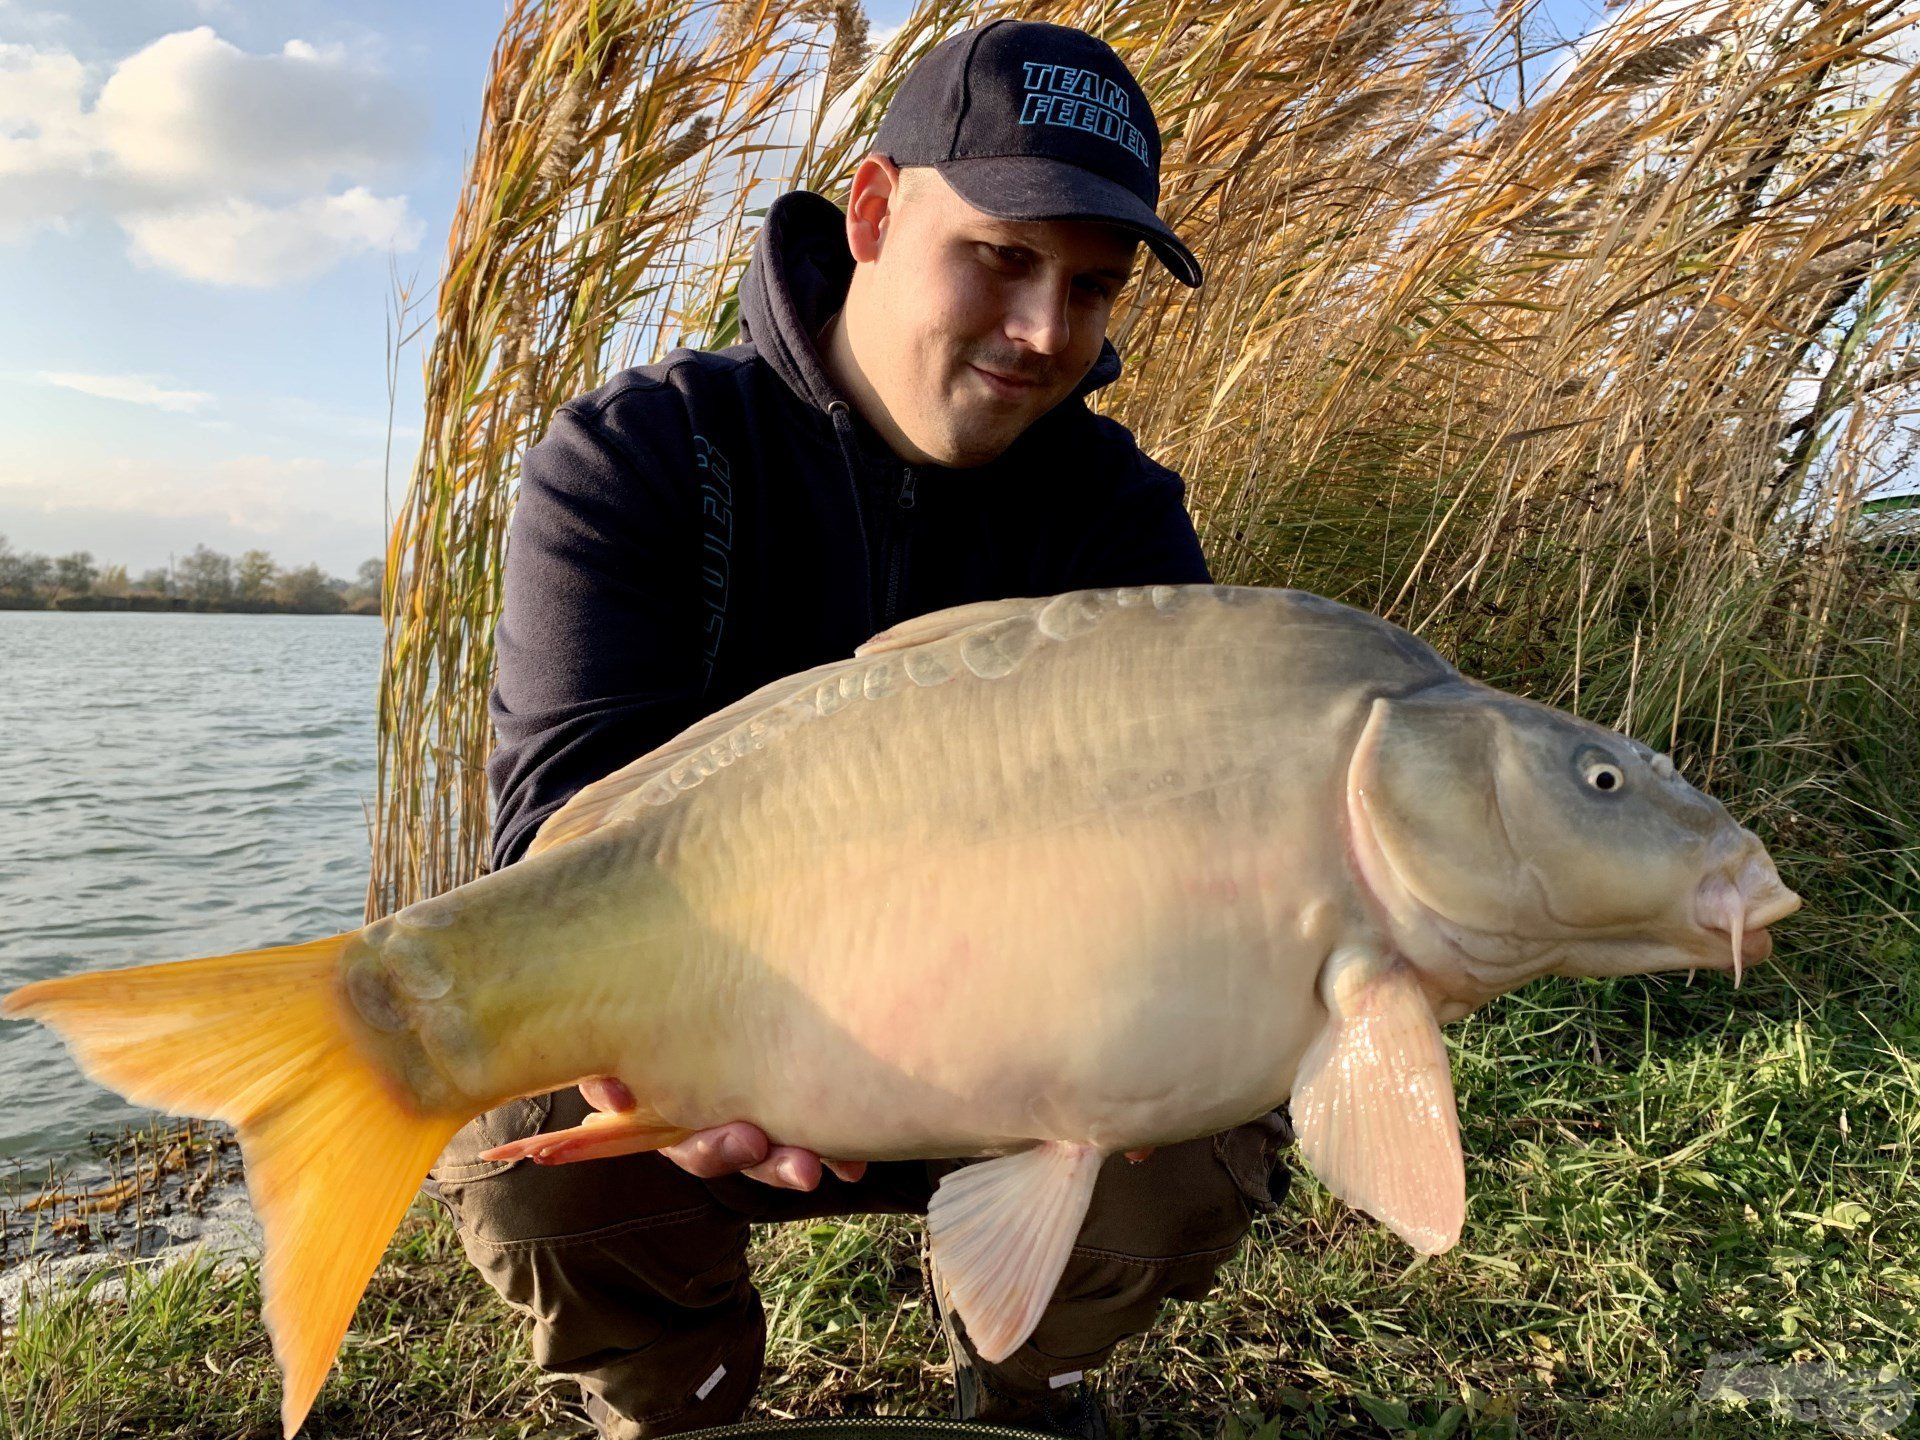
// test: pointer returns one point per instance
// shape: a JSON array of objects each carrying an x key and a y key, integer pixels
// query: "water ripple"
[{"x": 182, "y": 785}]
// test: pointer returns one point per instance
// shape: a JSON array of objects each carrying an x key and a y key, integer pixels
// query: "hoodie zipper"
[
  {"x": 841, "y": 414},
  {"x": 897, "y": 550}
]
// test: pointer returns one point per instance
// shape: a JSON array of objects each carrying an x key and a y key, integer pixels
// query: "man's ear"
[{"x": 871, "y": 203}]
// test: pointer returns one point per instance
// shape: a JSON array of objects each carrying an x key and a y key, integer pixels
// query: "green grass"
[{"x": 1656, "y": 1171}]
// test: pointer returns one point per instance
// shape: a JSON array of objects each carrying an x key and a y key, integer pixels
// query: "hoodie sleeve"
[
  {"x": 598, "y": 656},
  {"x": 1140, "y": 535}
]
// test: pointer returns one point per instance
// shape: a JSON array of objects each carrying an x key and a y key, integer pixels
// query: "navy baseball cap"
[{"x": 1032, "y": 121}]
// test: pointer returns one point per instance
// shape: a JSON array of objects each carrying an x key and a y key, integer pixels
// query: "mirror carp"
[{"x": 1036, "y": 880}]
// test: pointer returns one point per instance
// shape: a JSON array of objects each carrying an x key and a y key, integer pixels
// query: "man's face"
[{"x": 976, "y": 327}]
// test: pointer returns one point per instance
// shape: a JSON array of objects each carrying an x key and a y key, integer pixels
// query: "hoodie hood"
[{"x": 798, "y": 277}]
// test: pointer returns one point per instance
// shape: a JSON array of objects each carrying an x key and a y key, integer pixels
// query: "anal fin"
[
  {"x": 602, "y": 1134},
  {"x": 1000, "y": 1233}
]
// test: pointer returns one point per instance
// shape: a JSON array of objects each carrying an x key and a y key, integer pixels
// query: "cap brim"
[{"x": 1037, "y": 187}]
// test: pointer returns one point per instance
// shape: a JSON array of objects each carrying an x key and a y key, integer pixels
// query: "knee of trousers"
[
  {"x": 607, "y": 1256},
  {"x": 1191, "y": 1198}
]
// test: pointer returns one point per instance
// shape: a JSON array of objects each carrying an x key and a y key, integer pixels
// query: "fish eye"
[{"x": 1600, "y": 771}]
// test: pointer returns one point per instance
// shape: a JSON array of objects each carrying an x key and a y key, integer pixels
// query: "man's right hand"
[{"x": 739, "y": 1147}]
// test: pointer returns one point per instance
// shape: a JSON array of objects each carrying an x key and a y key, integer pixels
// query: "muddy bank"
[{"x": 146, "y": 1196}]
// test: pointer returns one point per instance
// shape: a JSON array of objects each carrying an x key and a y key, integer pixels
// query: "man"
[{"x": 902, "y": 429}]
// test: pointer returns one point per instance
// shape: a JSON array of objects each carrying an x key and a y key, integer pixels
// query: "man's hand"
[{"x": 725, "y": 1149}]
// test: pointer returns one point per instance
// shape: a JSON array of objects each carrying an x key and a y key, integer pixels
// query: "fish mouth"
[{"x": 1734, "y": 909}]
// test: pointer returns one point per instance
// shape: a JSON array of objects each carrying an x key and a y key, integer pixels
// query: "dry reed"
[{"x": 1585, "y": 376}]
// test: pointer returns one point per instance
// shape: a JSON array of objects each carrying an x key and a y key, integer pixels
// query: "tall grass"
[{"x": 603, "y": 125}]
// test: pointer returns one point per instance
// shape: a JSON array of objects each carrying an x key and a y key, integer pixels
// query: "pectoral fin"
[
  {"x": 1000, "y": 1232},
  {"x": 1373, "y": 1106}
]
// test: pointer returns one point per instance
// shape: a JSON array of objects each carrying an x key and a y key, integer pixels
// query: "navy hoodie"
[{"x": 698, "y": 527}]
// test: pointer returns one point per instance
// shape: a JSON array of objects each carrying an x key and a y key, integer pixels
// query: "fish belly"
[
  {"x": 1077, "y": 902},
  {"x": 1024, "y": 990}
]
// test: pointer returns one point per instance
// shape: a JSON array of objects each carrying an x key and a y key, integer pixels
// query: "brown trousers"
[{"x": 635, "y": 1272}]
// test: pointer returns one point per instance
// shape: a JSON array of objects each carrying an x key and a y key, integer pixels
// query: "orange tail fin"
[{"x": 264, "y": 1041}]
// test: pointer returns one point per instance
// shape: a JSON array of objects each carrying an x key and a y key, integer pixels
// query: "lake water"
[{"x": 170, "y": 786}]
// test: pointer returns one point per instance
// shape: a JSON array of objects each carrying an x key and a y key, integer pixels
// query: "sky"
[{"x": 205, "y": 209}]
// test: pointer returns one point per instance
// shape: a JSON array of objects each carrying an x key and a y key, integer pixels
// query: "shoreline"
[
  {"x": 170, "y": 605},
  {"x": 145, "y": 1196}
]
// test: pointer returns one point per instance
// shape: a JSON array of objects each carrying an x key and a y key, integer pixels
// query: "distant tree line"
[{"x": 204, "y": 579}]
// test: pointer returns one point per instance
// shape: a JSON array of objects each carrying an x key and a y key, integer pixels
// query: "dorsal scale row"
[
  {"x": 929, "y": 650},
  {"x": 988, "y": 639}
]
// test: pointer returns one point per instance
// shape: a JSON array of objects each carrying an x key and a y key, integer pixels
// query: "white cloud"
[
  {"x": 242, "y": 242},
  {"x": 134, "y": 389},
  {"x": 192, "y": 112},
  {"x": 209, "y": 157},
  {"x": 48, "y": 160},
  {"x": 41, "y": 108}
]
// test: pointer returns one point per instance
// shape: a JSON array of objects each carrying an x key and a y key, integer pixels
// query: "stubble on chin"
[{"x": 982, "y": 443}]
